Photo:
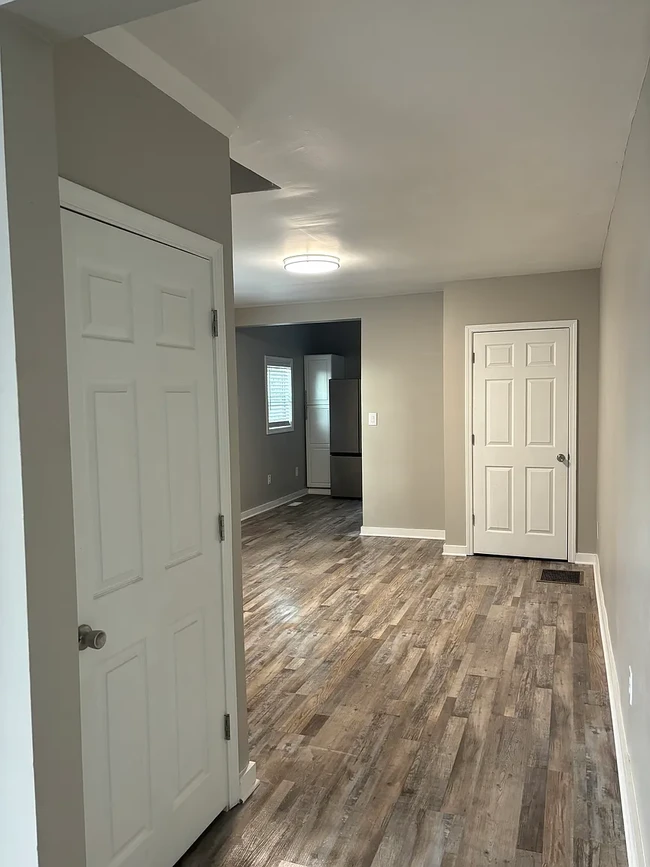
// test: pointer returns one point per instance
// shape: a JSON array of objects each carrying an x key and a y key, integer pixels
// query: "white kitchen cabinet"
[{"x": 319, "y": 369}]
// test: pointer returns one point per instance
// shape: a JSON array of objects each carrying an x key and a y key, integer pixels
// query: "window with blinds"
[{"x": 279, "y": 394}]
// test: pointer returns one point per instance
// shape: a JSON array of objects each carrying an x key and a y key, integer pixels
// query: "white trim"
[
  {"x": 320, "y": 492},
  {"x": 586, "y": 559},
  {"x": 402, "y": 533},
  {"x": 629, "y": 803},
  {"x": 470, "y": 331},
  {"x": 130, "y": 51},
  {"x": 91, "y": 204},
  {"x": 272, "y": 504},
  {"x": 455, "y": 551},
  {"x": 248, "y": 781}
]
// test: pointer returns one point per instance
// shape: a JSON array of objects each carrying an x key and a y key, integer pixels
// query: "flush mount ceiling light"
[{"x": 312, "y": 263}]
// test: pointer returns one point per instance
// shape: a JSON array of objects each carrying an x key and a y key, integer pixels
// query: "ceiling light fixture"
[{"x": 312, "y": 263}]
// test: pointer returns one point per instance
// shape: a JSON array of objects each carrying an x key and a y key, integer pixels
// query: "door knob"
[
  {"x": 561, "y": 458},
  {"x": 95, "y": 639}
]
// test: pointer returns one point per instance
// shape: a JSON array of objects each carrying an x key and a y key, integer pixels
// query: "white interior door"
[
  {"x": 521, "y": 428},
  {"x": 146, "y": 501}
]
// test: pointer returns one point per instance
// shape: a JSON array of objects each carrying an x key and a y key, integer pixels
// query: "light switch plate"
[{"x": 372, "y": 419}]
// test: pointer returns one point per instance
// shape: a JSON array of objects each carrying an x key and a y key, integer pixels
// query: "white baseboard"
[
  {"x": 402, "y": 533},
  {"x": 320, "y": 492},
  {"x": 273, "y": 504},
  {"x": 462, "y": 551},
  {"x": 248, "y": 781},
  {"x": 586, "y": 560},
  {"x": 633, "y": 838},
  {"x": 455, "y": 550}
]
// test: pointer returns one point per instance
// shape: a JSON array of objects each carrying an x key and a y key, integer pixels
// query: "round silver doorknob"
[
  {"x": 561, "y": 458},
  {"x": 94, "y": 639}
]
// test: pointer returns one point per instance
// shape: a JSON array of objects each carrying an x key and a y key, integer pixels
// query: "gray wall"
[
  {"x": 566, "y": 295},
  {"x": 278, "y": 454},
  {"x": 401, "y": 354},
  {"x": 120, "y": 136},
  {"x": 414, "y": 462},
  {"x": 402, "y": 382},
  {"x": 40, "y": 743},
  {"x": 624, "y": 429}
]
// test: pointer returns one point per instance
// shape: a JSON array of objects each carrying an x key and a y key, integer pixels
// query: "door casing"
[
  {"x": 470, "y": 331},
  {"x": 91, "y": 204}
]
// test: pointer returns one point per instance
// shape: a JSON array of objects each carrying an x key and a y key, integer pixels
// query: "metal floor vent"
[{"x": 561, "y": 576}]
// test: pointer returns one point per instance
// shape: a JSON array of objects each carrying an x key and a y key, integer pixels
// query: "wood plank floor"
[{"x": 410, "y": 709}]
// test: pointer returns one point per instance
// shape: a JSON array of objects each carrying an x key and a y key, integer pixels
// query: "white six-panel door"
[
  {"x": 146, "y": 501},
  {"x": 521, "y": 442}
]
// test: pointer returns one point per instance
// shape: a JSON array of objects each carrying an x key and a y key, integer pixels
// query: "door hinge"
[
  {"x": 226, "y": 726},
  {"x": 473, "y": 520},
  {"x": 473, "y": 440},
  {"x": 221, "y": 528},
  {"x": 473, "y": 358},
  {"x": 215, "y": 323}
]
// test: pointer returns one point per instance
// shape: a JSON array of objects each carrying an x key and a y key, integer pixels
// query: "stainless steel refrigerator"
[{"x": 345, "y": 437}]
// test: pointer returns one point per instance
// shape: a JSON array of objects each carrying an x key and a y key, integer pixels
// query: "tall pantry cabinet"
[{"x": 319, "y": 369}]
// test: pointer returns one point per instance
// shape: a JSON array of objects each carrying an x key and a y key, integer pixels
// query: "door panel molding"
[
  {"x": 98, "y": 207},
  {"x": 470, "y": 331}
]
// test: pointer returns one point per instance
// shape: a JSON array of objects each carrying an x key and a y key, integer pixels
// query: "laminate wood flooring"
[{"x": 407, "y": 708}]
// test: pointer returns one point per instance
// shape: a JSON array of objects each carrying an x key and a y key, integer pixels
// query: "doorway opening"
[{"x": 299, "y": 390}]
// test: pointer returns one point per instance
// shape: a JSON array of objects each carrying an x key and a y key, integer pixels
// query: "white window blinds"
[{"x": 279, "y": 394}]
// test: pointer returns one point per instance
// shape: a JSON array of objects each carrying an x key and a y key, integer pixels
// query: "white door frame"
[
  {"x": 94, "y": 205},
  {"x": 470, "y": 331}
]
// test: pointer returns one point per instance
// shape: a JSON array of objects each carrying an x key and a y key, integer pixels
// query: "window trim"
[{"x": 277, "y": 361}]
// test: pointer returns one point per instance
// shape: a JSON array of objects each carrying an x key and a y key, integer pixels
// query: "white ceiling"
[{"x": 422, "y": 141}]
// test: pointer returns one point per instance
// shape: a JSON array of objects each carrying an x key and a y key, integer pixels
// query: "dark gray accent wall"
[
  {"x": 244, "y": 180},
  {"x": 279, "y": 454},
  {"x": 117, "y": 134},
  {"x": 276, "y": 454},
  {"x": 338, "y": 338}
]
